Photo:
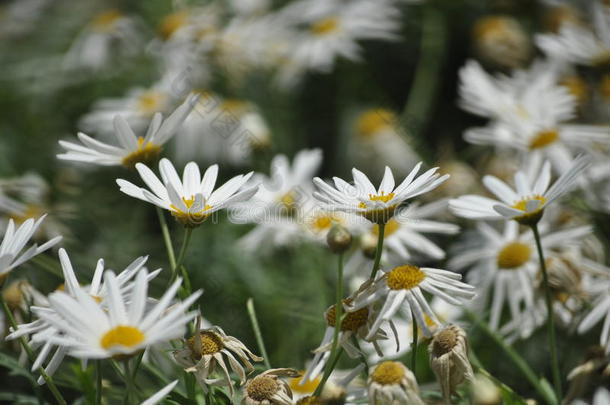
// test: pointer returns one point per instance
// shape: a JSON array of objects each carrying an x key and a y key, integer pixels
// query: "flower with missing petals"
[
  {"x": 268, "y": 389},
  {"x": 526, "y": 204},
  {"x": 205, "y": 353},
  {"x": 190, "y": 200},
  {"x": 391, "y": 383},
  {"x": 132, "y": 149},
  {"x": 448, "y": 353},
  {"x": 377, "y": 205}
]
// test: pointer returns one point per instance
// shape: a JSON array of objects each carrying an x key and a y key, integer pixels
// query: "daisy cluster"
[{"x": 424, "y": 254}]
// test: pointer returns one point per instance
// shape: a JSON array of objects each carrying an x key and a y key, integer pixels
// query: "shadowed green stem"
[
  {"x": 376, "y": 263},
  {"x": 550, "y": 319},
  {"x": 257, "y": 332},
  {"x": 414, "y": 345}
]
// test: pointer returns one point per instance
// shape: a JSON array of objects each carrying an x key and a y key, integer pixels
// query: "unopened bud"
[
  {"x": 368, "y": 244},
  {"x": 485, "y": 392},
  {"x": 339, "y": 239},
  {"x": 501, "y": 40}
]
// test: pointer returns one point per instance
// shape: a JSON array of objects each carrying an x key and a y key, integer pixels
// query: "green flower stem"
[
  {"x": 188, "y": 232},
  {"x": 98, "y": 386},
  {"x": 257, "y": 332},
  {"x": 129, "y": 383},
  {"x": 167, "y": 238},
  {"x": 376, "y": 263},
  {"x": 414, "y": 344},
  {"x": 48, "y": 380},
  {"x": 474, "y": 360},
  {"x": 550, "y": 319},
  {"x": 334, "y": 356},
  {"x": 512, "y": 354}
]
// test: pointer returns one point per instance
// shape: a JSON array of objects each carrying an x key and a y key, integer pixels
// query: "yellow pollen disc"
[
  {"x": 325, "y": 26},
  {"x": 444, "y": 341},
  {"x": 262, "y": 388},
  {"x": 97, "y": 298},
  {"x": 171, "y": 23},
  {"x": 210, "y": 343},
  {"x": 304, "y": 388},
  {"x": 104, "y": 22},
  {"x": 522, "y": 205},
  {"x": 122, "y": 335},
  {"x": 492, "y": 26},
  {"x": 13, "y": 294},
  {"x": 234, "y": 106},
  {"x": 31, "y": 211},
  {"x": 352, "y": 321},
  {"x": 373, "y": 122},
  {"x": 151, "y": 101},
  {"x": 388, "y": 373},
  {"x": 144, "y": 153},
  {"x": 577, "y": 87},
  {"x": 405, "y": 277},
  {"x": 513, "y": 255},
  {"x": 288, "y": 200},
  {"x": 391, "y": 227},
  {"x": 324, "y": 222},
  {"x": 544, "y": 138}
]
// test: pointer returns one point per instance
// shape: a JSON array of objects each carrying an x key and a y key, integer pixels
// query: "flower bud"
[
  {"x": 368, "y": 245},
  {"x": 339, "y": 239},
  {"x": 485, "y": 392},
  {"x": 502, "y": 41}
]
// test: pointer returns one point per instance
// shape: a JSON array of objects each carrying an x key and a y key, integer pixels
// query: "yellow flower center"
[
  {"x": 543, "y": 139},
  {"x": 210, "y": 343},
  {"x": 171, "y": 23},
  {"x": 104, "y": 22},
  {"x": 577, "y": 87},
  {"x": 150, "y": 102},
  {"x": 388, "y": 373},
  {"x": 122, "y": 335},
  {"x": 373, "y": 122},
  {"x": 262, "y": 388},
  {"x": 405, "y": 277},
  {"x": 297, "y": 385},
  {"x": 324, "y": 221},
  {"x": 513, "y": 255},
  {"x": 492, "y": 26},
  {"x": 234, "y": 106},
  {"x": 391, "y": 227},
  {"x": 190, "y": 219},
  {"x": 289, "y": 202},
  {"x": 145, "y": 153},
  {"x": 325, "y": 26},
  {"x": 444, "y": 341},
  {"x": 532, "y": 216},
  {"x": 13, "y": 294},
  {"x": 352, "y": 321},
  {"x": 30, "y": 211}
]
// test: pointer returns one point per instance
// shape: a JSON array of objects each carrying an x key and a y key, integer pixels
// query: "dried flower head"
[
  {"x": 268, "y": 389},
  {"x": 390, "y": 383},
  {"x": 448, "y": 352}
]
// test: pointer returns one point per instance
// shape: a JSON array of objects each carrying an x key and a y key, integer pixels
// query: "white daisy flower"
[
  {"x": 107, "y": 32},
  {"x": 390, "y": 382},
  {"x": 159, "y": 395},
  {"x": 530, "y": 113},
  {"x": 332, "y": 29},
  {"x": 525, "y": 204},
  {"x": 41, "y": 329},
  {"x": 190, "y": 200},
  {"x": 222, "y": 130},
  {"x": 132, "y": 149},
  {"x": 15, "y": 240},
  {"x": 503, "y": 266},
  {"x": 126, "y": 327},
  {"x": 401, "y": 289},
  {"x": 579, "y": 44},
  {"x": 376, "y": 205},
  {"x": 601, "y": 397},
  {"x": 599, "y": 311}
]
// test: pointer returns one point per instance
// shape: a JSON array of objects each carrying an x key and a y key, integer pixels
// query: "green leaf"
[
  {"x": 15, "y": 368},
  {"x": 18, "y": 399}
]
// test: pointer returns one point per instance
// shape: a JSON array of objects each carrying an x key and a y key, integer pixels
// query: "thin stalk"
[
  {"x": 167, "y": 238},
  {"x": 414, "y": 344},
  {"x": 379, "y": 250},
  {"x": 338, "y": 321},
  {"x": 26, "y": 347},
  {"x": 333, "y": 363},
  {"x": 512, "y": 354},
  {"x": 474, "y": 359},
  {"x": 98, "y": 388},
  {"x": 257, "y": 332},
  {"x": 185, "y": 243},
  {"x": 550, "y": 319}
]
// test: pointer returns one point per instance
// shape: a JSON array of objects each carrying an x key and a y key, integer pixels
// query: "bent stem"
[
  {"x": 515, "y": 358},
  {"x": 334, "y": 356},
  {"x": 257, "y": 332},
  {"x": 378, "y": 252},
  {"x": 550, "y": 319},
  {"x": 26, "y": 347},
  {"x": 414, "y": 344}
]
